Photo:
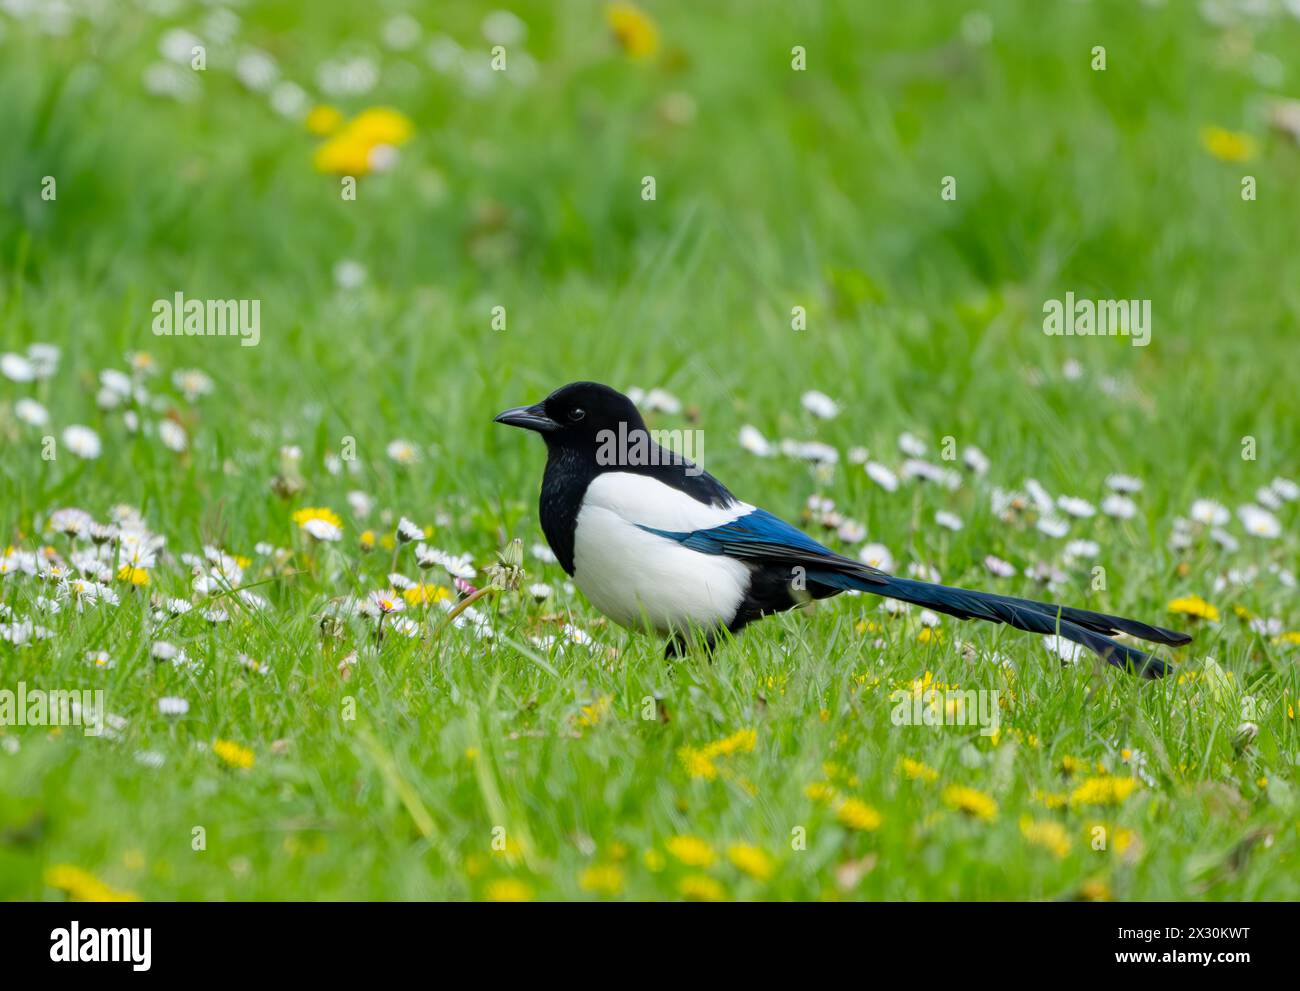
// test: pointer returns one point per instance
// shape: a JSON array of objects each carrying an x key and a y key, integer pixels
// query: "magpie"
[{"x": 656, "y": 543}]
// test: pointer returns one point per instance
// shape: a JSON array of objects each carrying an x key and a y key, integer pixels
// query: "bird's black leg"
[
  {"x": 676, "y": 647},
  {"x": 679, "y": 645}
]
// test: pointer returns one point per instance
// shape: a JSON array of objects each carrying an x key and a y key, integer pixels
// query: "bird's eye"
[{"x": 576, "y": 414}]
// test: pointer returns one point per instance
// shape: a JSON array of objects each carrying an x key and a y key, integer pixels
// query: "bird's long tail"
[{"x": 1080, "y": 626}]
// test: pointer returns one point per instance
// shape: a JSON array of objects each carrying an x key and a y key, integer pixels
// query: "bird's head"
[{"x": 575, "y": 415}]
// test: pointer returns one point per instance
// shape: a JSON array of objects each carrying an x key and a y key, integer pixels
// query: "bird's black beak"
[{"x": 529, "y": 417}]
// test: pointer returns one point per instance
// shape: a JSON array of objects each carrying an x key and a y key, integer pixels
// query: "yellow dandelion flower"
[
  {"x": 323, "y": 120},
  {"x": 691, "y": 851},
  {"x": 233, "y": 754},
  {"x": 819, "y": 791},
  {"x": 750, "y": 859},
  {"x": 342, "y": 155},
  {"x": 82, "y": 886},
  {"x": 699, "y": 888},
  {"x": 697, "y": 763},
  {"x": 1108, "y": 789},
  {"x": 1290, "y": 637},
  {"x": 380, "y": 126},
  {"x": 653, "y": 860},
  {"x": 136, "y": 576},
  {"x": 633, "y": 28},
  {"x": 1048, "y": 834},
  {"x": 508, "y": 889},
  {"x": 1228, "y": 146},
  {"x": 590, "y": 715},
  {"x": 1095, "y": 891},
  {"x": 856, "y": 814},
  {"x": 742, "y": 741},
  {"x": 367, "y": 540},
  {"x": 915, "y": 770},
  {"x": 1050, "y": 799},
  {"x": 971, "y": 801},
  {"x": 304, "y": 516},
  {"x": 1194, "y": 606},
  {"x": 423, "y": 595},
  {"x": 1071, "y": 766},
  {"x": 602, "y": 879}
]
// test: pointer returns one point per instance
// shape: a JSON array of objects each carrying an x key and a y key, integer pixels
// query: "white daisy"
[
  {"x": 810, "y": 450},
  {"x": 877, "y": 556},
  {"x": 1082, "y": 549},
  {"x": 1053, "y": 526},
  {"x": 819, "y": 404},
  {"x": 975, "y": 460},
  {"x": 171, "y": 705},
  {"x": 1285, "y": 489},
  {"x": 662, "y": 401},
  {"x": 543, "y": 553},
  {"x": 360, "y": 503},
  {"x": 253, "y": 665},
  {"x": 385, "y": 601},
  {"x": 1266, "y": 497},
  {"x": 1074, "y": 506},
  {"x": 1067, "y": 650},
  {"x": 322, "y": 530},
  {"x": 408, "y": 531},
  {"x": 82, "y": 441},
  {"x": 1224, "y": 539},
  {"x": 851, "y": 531},
  {"x": 172, "y": 435},
  {"x": 31, "y": 412},
  {"x": 349, "y": 274},
  {"x": 16, "y": 368},
  {"x": 911, "y": 445},
  {"x": 403, "y": 452},
  {"x": 1121, "y": 507},
  {"x": 1209, "y": 513},
  {"x": 192, "y": 383},
  {"x": 999, "y": 567},
  {"x": 927, "y": 471},
  {"x": 1123, "y": 483},
  {"x": 754, "y": 442},
  {"x": 949, "y": 520},
  {"x": 44, "y": 359},
  {"x": 1259, "y": 522},
  {"x": 882, "y": 476},
  {"x": 71, "y": 522},
  {"x": 1040, "y": 496},
  {"x": 540, "y": 591},
  {"x": 858, "y": 455}
]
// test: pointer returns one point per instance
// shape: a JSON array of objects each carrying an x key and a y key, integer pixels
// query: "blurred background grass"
[{"x": 775, "y": 188}]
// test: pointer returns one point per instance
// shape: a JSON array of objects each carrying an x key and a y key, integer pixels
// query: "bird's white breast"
[{"x": 638, "y": 578}]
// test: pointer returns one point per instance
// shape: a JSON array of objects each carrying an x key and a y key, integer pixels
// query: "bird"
[{"x": 657, "y": 544}]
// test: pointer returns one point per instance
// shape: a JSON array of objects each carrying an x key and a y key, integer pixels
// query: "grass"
[{"x": 508, "y": 767}]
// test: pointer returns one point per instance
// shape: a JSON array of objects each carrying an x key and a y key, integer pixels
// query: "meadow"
[{"x": 823, "y": 235}]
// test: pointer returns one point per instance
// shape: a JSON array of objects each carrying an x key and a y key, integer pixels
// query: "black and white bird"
[{"x": 656, "y": 543}]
